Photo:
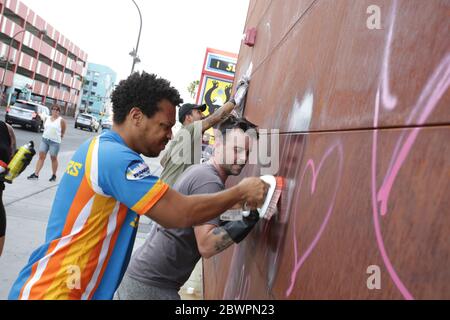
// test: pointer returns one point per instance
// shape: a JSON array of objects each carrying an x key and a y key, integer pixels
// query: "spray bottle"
[{"x": 18, "y": 163}]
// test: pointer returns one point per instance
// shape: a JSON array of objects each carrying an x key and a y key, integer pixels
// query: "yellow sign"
[{"x": 216, "y": 93}]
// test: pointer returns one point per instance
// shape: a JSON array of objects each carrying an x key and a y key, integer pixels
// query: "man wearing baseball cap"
[
  {"x": 188, "y": 112},
  {"x": 185, "y": 148}
]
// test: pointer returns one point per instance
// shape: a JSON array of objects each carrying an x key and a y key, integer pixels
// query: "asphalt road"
[{"x": 72, "y": 139}]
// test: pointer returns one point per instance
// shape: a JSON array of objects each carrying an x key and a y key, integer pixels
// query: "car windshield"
[
  {"x": 25, "y": 106},
  {"x": 85, "y": 116}
]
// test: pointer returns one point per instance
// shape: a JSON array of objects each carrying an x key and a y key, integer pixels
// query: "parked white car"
[{"x": 87, "y": 121}]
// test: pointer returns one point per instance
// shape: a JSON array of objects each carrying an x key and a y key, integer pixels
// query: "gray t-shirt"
[
  {"x": 183, "y": 151},
  {"x": 168, "y": 256}
]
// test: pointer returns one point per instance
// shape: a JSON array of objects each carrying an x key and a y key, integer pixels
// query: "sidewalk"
[{"x": 28, "y": 205}]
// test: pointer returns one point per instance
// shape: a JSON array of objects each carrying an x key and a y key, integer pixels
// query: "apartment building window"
[
  {"x": 29, "y": 51},
  {"x": 65, "y": 88},
  {"x": 45, "y": 59},
  {"x": 13, "y": 17},
  {"x": 49, "y": 40},
  {"x": 40, "y": 78},
  {"x": 26, "y": 38},
  {"x": 61, "y": 49},
  {"x": 32, "y": 29},
  {"x": 24, "y": 72},
  {"x": 57, "y": 66},
  {"x": 94, "y": 84},
  {"x": 72, "y": 56}
]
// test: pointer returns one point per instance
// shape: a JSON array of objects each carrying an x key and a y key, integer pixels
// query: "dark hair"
[
  {"x": 232, "y": 122},
  {"x": 57, "y": 106},
  {"x": 144, "y": 91},
  {"x": 183, "y": 117}
]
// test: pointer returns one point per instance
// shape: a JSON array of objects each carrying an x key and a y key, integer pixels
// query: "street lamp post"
[
  {"x": 41, "y": 35},
  {"x": 2, "y": 86},
  {"x": 135, "y": 51}
]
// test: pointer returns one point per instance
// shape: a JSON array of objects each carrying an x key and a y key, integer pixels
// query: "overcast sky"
[{"x": 175, "y": 33}]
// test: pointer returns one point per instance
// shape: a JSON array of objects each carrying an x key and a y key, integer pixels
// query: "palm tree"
[{"x": 192, "y": 88}]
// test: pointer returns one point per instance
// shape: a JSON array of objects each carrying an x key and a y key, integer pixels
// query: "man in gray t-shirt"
[{"x": 165, "y": 261}]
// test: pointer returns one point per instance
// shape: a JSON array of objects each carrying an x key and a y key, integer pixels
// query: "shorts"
[{"x": 49, "y": 145}]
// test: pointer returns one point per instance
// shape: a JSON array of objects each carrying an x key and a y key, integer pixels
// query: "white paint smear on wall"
[{"x": 301, "y": 113}]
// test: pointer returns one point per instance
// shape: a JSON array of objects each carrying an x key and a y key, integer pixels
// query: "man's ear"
[{"x": 136, "y": 115}]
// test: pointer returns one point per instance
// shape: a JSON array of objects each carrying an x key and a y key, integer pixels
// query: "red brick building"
[{"x": 43, "y": 65}]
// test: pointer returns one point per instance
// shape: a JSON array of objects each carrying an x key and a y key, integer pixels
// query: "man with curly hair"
[{"x": 106, "y": 187}]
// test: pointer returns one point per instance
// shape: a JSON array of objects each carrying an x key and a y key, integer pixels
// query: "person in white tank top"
[{"x": 54, "y": 130}]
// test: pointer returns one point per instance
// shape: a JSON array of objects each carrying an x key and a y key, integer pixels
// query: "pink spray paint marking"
[
  {"x": 310, "y": 165},
  {"x": 433, "y": 91},
  {"x": 428, "y": 100},
  {"x": 436, "y": 86},
  {"x": 393, "y": 274},
  {"x": 389, "y": 101}
]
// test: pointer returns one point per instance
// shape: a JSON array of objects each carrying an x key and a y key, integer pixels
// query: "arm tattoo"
[{"x": 223, "y": 241}]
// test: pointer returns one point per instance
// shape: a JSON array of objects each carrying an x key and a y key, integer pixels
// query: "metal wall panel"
[{"x": 364, "y": 151}]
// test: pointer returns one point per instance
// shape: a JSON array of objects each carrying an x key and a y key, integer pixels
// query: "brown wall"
[{"x": 364, "y": 149}]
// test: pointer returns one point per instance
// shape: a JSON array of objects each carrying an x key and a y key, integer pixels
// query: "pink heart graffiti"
[{"x": 310, "y": 165}]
